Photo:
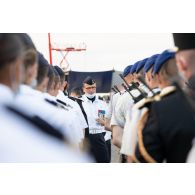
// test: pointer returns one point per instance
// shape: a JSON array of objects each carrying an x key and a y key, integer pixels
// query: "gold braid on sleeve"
[{"x": 142, "y": 148}]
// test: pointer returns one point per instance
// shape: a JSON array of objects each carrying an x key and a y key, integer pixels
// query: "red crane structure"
[{"x": 64, "y": 51}]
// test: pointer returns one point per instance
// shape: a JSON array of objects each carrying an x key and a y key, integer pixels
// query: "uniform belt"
[{"x": 95, "y": 131}]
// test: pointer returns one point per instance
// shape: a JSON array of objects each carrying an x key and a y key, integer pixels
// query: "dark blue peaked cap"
[
  {"x": 141, "y": 65},
  {"x": 127, "y": 70},
  {"x": 88, "y": 80},
  {"x": 134, "y": 67},
  {"x": 162, "y": 58},
  {"x": 150, "y": 62}
]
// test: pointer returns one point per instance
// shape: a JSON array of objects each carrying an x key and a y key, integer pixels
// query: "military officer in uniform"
[
  {"x": 185, "y": 58},
  {"x": 24, "y": 138},
  {"x": 165, "y": 133},
  {"x": 122, "y": 105},
  {"x": 32, "y": 102},
  {"x": 94, "y": 109},
  {"x": 74, "y": 106},
  {"x": 149, "y": 77},
  {"x": 126, "y": 146}
]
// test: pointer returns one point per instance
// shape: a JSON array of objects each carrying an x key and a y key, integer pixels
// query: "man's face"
[
  {"x": 89, "y": 89},
  {"x": 64, "y": 85},
  {"x": 147, "y": 78},
  {"x": 32, "y": 72},
  {"x": 16, "y": 74},
  {"x": 44, "y": 84},
  {"x": 136, "y": 76},
  {"x": 185, "y": 61},
  {"x": 129, "y": 78},
  {"x": 57, "y": 85},
  {"x": 51, "y": 90},
  {"x": 151, "y": 79},
  {"x": 181, "y": 64}
]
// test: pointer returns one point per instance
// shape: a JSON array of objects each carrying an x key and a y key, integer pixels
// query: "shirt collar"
[
  {"x": 27, "y": 90},
  {"x": 167, "y": 90},
  {"x": 156, "y": 90},
  {"x": 60, "y": 92},
  {"x": 7, "y": 95},
  {"x": 50, "y": 97},
  {"x": 86, "y": 99}
]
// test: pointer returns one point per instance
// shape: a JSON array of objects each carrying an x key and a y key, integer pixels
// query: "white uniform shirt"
[
  {"x": 112, "y": 105},
  {"x": 144, "y": 88},
  {"x": 32, "y": 102},
  {"x": 124, "y": 104},
  {"x": 6, "y": 95},
  {"x": 22, "y": 142},
  {"x": 49, "y": 97},
  {"x": 76, "y": 108},
  {"x": 129, "y": 139},
  {"x": 69, "y": 117},
  {"x": 109, "y": 114},
  {"x": 93, "y": 111}
]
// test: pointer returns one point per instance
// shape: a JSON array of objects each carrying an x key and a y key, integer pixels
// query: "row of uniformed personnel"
[
  {"x": 38, "y": 122},
  {"x": 152, "y": 120}
]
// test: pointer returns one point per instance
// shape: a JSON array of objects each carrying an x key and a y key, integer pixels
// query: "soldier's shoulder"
[
  {"x": 167, "y": 91},
  {"x": 146, "y": 102},
  {"x": 167, "y": 96}
]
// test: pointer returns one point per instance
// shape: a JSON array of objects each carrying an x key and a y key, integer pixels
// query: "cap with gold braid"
[{"x": 88, "y": 80}]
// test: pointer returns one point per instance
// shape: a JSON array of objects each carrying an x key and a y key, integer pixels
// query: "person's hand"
[{"x": 101, "y": 121}]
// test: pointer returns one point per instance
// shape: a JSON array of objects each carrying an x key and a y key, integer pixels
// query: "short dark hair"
[
  {"x": 77, "y": 90},
  {"x": 169, "y": 68},
  {"x": 51, "y": 76},
  {"x": 10, "y": 48},
  {"x": 30, "y": 58},
  {"x": 42, "y": 68},
  {"x": 60, "y": 73},
  {"x": 30, "y": 54},
  {"x": 57, "y": 77}
]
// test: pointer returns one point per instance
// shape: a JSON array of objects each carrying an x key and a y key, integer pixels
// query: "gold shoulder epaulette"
[
  {"x": 157, "y": 97},
  {"x": 143, "y": 102},
  {"x": 167, "y": 91}
]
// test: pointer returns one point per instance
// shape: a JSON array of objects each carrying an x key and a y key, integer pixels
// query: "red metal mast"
[
  {"x": 50, "y": 48},
  {"x": 61, "y": 50}
]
